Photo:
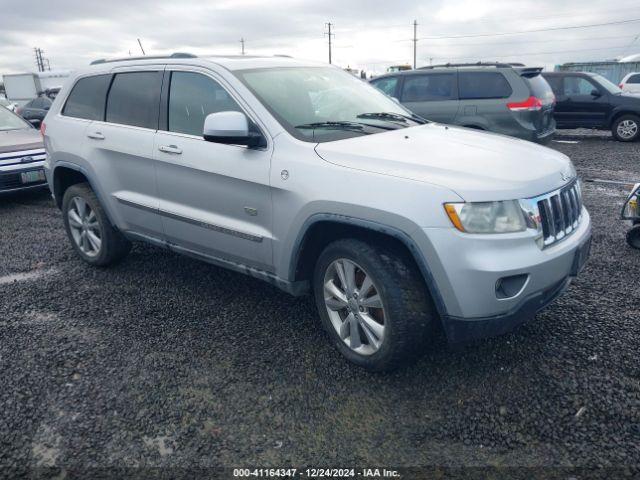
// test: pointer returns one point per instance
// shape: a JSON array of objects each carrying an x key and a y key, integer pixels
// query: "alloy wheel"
[
  {"x": 355, "y": 306},
  {"x": 84, "y": 226},
  {"x": 627, "y": 129}
]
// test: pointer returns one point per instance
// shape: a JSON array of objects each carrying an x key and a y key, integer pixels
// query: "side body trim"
[{"x": 193, "y": 221}]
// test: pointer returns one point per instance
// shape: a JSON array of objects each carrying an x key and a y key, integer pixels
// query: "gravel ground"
[{"x": 167, "y": 362}]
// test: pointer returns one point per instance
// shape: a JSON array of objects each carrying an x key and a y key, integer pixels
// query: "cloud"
[{"x": 370, "y": 34}]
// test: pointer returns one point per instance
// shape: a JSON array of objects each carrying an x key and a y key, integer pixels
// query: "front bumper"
[
  {"x": 470, "y": 268},
  {"x": 11, "y": 179}
]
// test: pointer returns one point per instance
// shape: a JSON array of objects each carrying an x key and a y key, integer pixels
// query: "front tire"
[
  {"x": 633, "y": 237},
  {"x": 88, "y": 228},
  {"x": 373, "y": 304},
  {"x": 626, "y": 128}
]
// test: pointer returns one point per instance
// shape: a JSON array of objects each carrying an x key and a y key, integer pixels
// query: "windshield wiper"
[
  {"x": 343, "y": 125},
  {"x": 393, "y": 116}
]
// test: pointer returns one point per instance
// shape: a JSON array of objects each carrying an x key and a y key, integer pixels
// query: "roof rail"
[
  {"x": 146, "y": 57},
  {"x": 477, "y": 64}
]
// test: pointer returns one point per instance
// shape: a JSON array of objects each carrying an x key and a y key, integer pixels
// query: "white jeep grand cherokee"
[{"x": 304, "y": 176}]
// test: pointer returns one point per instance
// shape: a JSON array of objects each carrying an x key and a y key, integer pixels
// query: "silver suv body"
[
  {"x": 500, "y": 98},
  {"x": 306, "y": 177}
]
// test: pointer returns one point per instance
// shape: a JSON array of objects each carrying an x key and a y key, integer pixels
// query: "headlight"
[{"x": 487, "y": 217}]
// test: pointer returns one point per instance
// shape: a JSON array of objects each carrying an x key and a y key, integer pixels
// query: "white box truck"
[{"x": 22, "y": 87}]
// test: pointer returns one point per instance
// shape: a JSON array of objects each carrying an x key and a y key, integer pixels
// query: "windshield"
[
  {"x": 610, "y": 86},
  {"x": 321, "y": 104},
  {"x": 9, "y": 121}
]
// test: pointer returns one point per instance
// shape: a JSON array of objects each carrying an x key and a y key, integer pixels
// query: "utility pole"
[
  {"x": 415, "y": 42},
  {"x": 242, "y": 43},
  {"x": 39, "y": 60},
  {"x": 329, "y": 34},
  {"x": 140, "y": 43}
]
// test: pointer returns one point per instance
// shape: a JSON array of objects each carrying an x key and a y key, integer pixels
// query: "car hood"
[
  {"x": 24, "y": 139},
  {"x": 478, "y": 166}
]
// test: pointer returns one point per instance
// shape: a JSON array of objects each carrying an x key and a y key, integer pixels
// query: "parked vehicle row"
[
  {"x": 502, "y": 98},
  {"x": 301, "y": 175},
  {"x": 588, "y": 100}
]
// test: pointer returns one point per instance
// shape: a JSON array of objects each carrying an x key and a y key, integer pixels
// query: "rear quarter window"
[
  {"x": 483, "y": 85},
  {"x": 87, "y": 98},
  {"x": 134, "y": 99},
  {"x": 540, "y": 88}
]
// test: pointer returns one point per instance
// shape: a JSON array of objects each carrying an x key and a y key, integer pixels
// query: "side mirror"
[
  {"x": 230, "y": 128},
  {"x": 595, "y": 93}
]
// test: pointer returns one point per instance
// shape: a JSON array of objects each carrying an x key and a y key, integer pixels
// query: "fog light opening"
[{"x": 510, "y": 287}]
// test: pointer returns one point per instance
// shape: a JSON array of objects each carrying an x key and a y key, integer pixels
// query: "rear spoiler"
[{"x": 529, "y": 72}]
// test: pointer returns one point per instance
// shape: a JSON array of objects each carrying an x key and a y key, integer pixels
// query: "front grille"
[
  {"x": 12, "y": 181},
  {"x": 560, "y": 212},
  {"x": 22, "y": 157}
]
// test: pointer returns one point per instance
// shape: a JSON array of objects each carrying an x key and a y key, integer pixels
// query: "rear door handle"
[
  {"x": 96, "y": 136},
  {"x": 170, "y": 149}
]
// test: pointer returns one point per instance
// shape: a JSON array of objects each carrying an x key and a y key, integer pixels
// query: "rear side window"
[
  {"x": 578, "y": 86},
  {"x": 386, "y": 85},
  {"x": 634, "y": 78},
  {"x": 540, "y": 88},
  {"x": 88, "y": 97},
  {"x": 134, "y": 99},
  {"x": 483, "y": 85},
  {"x": 425, "y": 88},
  {"x": 192, "y": 97}
]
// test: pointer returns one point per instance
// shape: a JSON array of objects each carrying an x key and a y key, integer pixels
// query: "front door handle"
[
  {"x": 170, "y": 149},
  {"x": 96, "y": 136}
]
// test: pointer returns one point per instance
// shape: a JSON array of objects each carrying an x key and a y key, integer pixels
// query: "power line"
[
  {"x": 554, "y": 40},
  {"x": 573, "y": 27},
  {"x": 523, "y": 54},
  {"x": 140, "y": 43}
]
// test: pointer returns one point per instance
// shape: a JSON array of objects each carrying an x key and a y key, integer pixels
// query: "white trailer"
[{"x": 22, "y": 87}]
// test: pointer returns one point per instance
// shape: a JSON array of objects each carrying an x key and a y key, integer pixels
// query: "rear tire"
[
  {"x": 633, "y": 237},
  {"x": 626, "y": 128},
  {"x": 383, "y": 324},
  {"x": 88, "y": 228}
]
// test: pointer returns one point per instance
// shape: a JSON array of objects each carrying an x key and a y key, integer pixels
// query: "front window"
[
  {"x": 608, "y": 85},
  {"x": 322, "y": 104},
  {"x": 10, "y": 121}
]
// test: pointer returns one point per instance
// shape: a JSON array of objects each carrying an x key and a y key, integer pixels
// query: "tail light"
[
  {"x": 531, "y": 104},
  {"x": 19, "y": 110},
  {"x": 43, "y": 128},
  {"x": 621, "y": 86}
]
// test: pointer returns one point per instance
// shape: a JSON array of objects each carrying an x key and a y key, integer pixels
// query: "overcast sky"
[{"x": 369, "y": 34}]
